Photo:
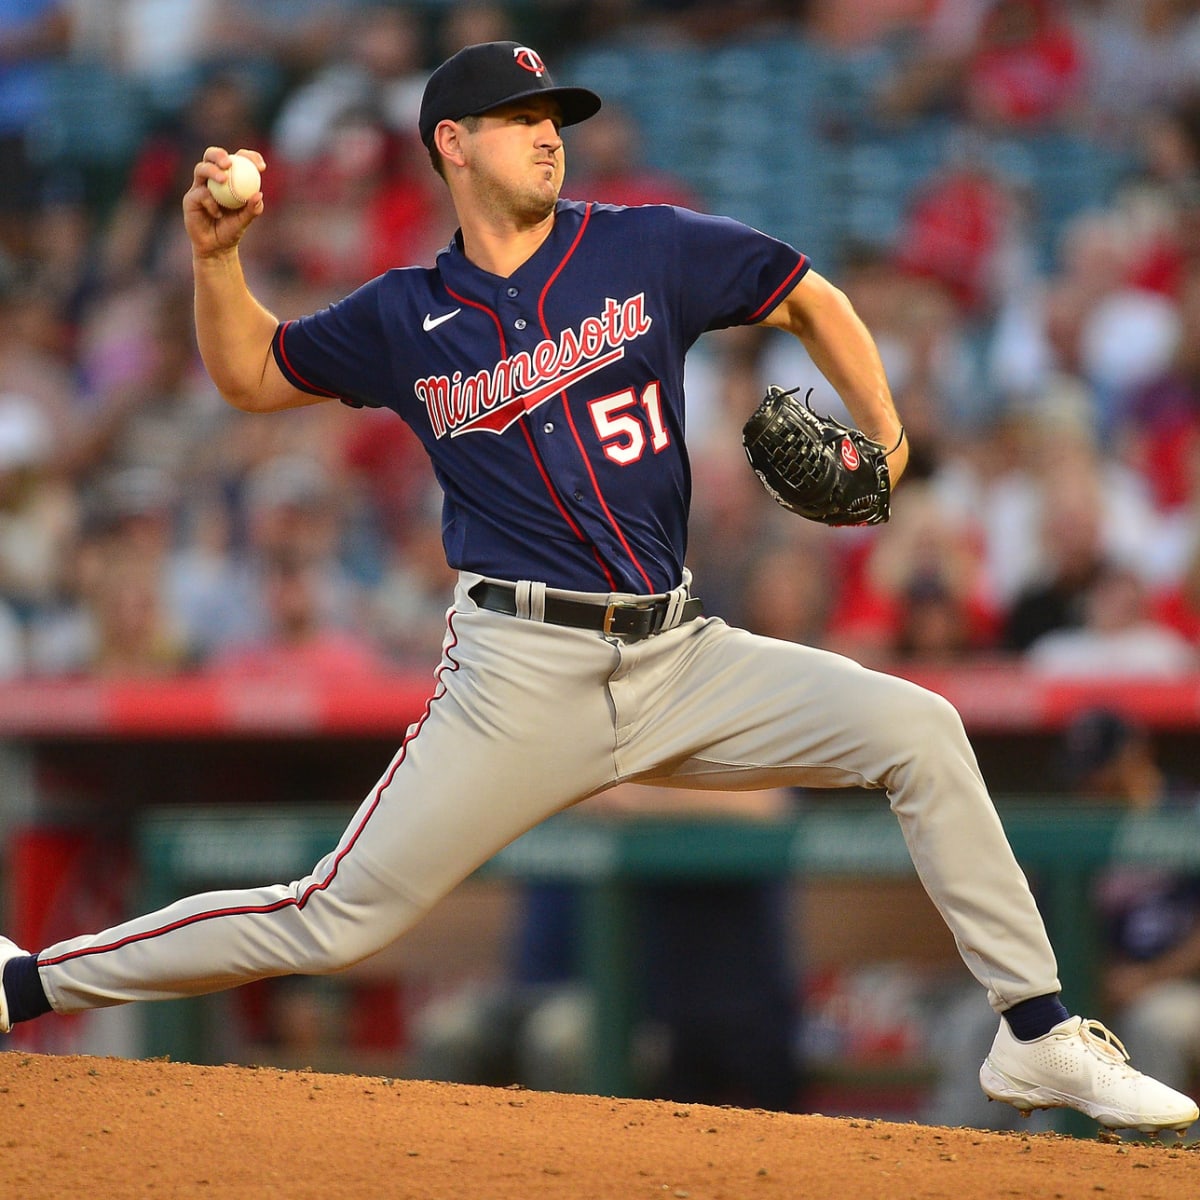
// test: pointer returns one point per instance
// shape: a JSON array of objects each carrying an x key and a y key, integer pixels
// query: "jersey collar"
[{"x": 469, "y": 280}]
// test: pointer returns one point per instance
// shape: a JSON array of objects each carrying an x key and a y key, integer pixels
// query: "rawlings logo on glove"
[{"x": 814, "y": 465}]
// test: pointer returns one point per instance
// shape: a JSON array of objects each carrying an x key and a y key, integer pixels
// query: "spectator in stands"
[
  {"x": 368, "y": 201},
  {"x": 1111, "y": 311},
  {"x": 789, "y": 588},
  {"x": 375, "y": 66},
  {"x": 203, "y": 579},
  {"x": 1026, "y": 70},
  {"x": 298, "y": 640},
  {"x": 33, "y": 35},
  {"x": 1073, "y": 558},
  {"x": 924, "y": 557},
  {"x": 1128, "y": 341},
  {"x": 117, "y": 623},
  {"x": 291, "y": 508},
  {"x": 1163, "y": 202},
  {"x": 131, "y": 634},
  {"x": 1139, "y": 57},
  {"x": 1159, "y": 427},
  {"x": 1008, "y": 65},
  {"x": 1051, "y": 506},
  {"x": 36, "y": 358},
  {"x": 292, "y": 515},
  {"x": 956, "y": 232},
  {"x": 984, "y": 480},
  {"x": 159, "y": 409},
  {"x": 360, "y": 196},
  {"x": 1103, "y": 315},
  {"x": 35, "y": 525},
  {"x": 1118, "y": 637},
  {"x": 1040, "y": 332},
  {"x": 39, "y": 511},
  {"x": 935, "y": 626}
]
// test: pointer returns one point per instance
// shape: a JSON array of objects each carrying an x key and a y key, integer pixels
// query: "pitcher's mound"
[{"x": 113, "y": 1128}]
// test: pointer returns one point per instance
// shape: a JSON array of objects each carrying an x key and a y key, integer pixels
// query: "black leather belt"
[{"x": 627, "y": 619}]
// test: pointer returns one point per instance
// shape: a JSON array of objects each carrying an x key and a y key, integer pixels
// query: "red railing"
[{"x": 991, "y": 699}]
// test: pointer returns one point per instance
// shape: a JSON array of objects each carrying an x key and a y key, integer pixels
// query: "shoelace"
[{"x": 1102, "y": 1039}]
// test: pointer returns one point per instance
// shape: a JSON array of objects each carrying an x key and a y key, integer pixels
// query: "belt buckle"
[
  {"x": 616, "y": 606},
  {"x": 611, "y": 611}
]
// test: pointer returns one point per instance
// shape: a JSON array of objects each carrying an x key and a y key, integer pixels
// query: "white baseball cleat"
[
  {"x": 8, "y": 950},
  {"x": 1082, "y": 1065}
]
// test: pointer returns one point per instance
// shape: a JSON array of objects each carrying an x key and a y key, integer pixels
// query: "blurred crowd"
[{"x": 1052, "y": 509}]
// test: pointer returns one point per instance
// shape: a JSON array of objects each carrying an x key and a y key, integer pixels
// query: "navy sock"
[
  {"x": 1032, "y": 1018},
  {"x": 23, "y": 989}
]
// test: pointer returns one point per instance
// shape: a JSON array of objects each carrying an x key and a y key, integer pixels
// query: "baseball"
[{"x": 242, "y": 181}]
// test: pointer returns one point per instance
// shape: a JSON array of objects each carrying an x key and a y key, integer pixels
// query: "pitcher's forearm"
[
  {"x": 233, "y": 330},
  {"x": 844, "y": 351}
]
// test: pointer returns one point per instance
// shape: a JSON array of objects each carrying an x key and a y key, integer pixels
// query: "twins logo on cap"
[
  {"x": 529, "y": 59},
  {"x": 480, "y": 78}
]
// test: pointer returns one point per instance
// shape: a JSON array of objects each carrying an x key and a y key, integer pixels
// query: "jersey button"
[
  {"x": 512, "y": 291},
  {"x": 548, "y": 427},
  {"x": 519, "y": 323},
  {"x": 578, "y": 494}
]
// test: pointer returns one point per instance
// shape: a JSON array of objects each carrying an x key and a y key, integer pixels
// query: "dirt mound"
[{"x": 113, "y": 1128}]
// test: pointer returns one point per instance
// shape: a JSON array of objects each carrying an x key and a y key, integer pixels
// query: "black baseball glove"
[{"x": 816, "y": 466}]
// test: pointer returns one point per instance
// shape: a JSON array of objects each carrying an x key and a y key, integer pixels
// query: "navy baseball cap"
[{"x": 482, "y": 77}]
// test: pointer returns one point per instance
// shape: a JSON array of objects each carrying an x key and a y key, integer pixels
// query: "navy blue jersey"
[{"x": 551, "y": 402}]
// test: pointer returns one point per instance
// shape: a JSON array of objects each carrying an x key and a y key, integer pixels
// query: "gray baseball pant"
[{"x": 529, "y": 718}]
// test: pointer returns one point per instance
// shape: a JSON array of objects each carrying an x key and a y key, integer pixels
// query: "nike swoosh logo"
[{"x": 431, "y": 322}]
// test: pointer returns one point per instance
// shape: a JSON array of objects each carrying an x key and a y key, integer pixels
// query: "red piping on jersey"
[
  {"x": 320, "y": 391},
  {"x": 566, "y": 516},
  {"x": 766, "y": 304},
  {"x": 490, "y": 312},
  {"x": 537, "y": 459},
  {"x": 319, "y": 885},
  {"x": 587, "y": 462}
]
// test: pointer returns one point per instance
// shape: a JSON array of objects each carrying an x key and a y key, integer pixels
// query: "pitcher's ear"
[{"x": 448, "y": 141}]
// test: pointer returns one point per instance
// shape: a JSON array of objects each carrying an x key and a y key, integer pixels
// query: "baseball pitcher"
[{"x": 540, "y": 362}]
